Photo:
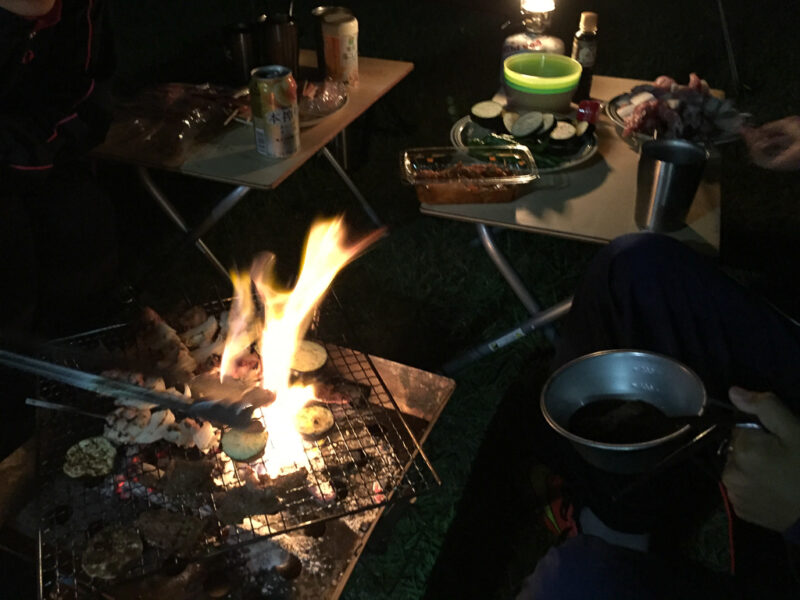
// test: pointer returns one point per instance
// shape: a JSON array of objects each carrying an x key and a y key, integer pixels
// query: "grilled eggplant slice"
[
  {"x": 247, "y": 443},
  {"x": 314, "y": 420}
]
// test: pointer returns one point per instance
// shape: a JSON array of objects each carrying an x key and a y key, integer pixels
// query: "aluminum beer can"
[
  {"x": 276, "y": 120},
  {"x": 340, "y": 37}
]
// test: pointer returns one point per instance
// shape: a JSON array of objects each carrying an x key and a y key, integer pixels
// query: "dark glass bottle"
[{"x": 584, "y": 50}]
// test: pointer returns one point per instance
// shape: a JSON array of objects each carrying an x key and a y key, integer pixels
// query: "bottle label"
[{"x": 584, "y": 52}]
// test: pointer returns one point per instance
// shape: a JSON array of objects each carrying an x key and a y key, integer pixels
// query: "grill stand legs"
[{"x": 539, "y": 318}]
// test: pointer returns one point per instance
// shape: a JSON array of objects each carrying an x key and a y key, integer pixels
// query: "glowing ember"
[{"x": 286, "y": 316}]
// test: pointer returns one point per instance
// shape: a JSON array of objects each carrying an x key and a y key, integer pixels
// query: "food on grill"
[
  {"x": 170, "y": 531},
  {"x": 92, "y": 457},
  {"x": 163, "y": 343},
  {"x": 670, "y": 110},
  {"x": 128, "y": 425},
  {"x": 620, "y": 421},
  {"x": 183, "y": 476},
  {"x": 246, "y": 443},
  {"x": 313, "y": 420},
  {"x": 111, "y": 551},
  {"x": 258, "y": 396},
  {"x": 151, "y": 383},
  {"x": 200, "y": 335},
  {"x": 238, "y": 503},
  {"x": 309, "y": 357}
]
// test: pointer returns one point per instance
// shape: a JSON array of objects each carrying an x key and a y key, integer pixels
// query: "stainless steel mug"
[
  {"x": 667, "y": 180},
  {"x": 319, "y": 14},
  {"x": 239, "y": 53},
  {"x": 277, "y": 42}
]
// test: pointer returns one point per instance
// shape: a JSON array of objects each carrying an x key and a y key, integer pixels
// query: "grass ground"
[{"x": 428, "y": 290}]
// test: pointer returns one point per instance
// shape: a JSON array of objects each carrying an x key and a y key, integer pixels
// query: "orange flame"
[{"x": 286, "y": 318}]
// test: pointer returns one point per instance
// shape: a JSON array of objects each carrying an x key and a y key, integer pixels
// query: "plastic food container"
[
  {"x": 469, "y": 175},
  {"x": 538, "y": 81}
]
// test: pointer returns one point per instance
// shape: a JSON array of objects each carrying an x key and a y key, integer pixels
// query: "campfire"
[
  {"x": 327, "y": 440},
  {"x": 283, "y": 325}
]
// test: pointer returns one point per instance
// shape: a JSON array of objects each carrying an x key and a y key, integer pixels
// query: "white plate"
[
  {"x": 464, "y": 128},
  {"x": 309, "y": 120}
]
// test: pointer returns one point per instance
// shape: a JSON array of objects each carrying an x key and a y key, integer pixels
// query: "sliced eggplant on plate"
[
  {"x": 548, "y": 123},
  {"x": 488, "y": 114},
  {"x": 509, "y": 118},
  {"x": 527, "y": 125}
]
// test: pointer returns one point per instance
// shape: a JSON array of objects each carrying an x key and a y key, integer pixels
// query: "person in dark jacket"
[
  {"x": 647, "y": 291},
  {"x": 57, "y": 232},
  {"x": 57, "y": 229}
]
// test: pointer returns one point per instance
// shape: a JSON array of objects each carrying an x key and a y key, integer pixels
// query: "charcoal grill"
[{"x": 369, "y": 459}]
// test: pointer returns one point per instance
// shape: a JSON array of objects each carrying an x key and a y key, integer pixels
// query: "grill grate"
[{"x": 368, "y": 459}]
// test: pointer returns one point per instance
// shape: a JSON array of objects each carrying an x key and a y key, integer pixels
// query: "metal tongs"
[{"x": 234, "y": 414}]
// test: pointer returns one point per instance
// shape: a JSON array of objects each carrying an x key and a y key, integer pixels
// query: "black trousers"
[{"x": 650, "y": 292}]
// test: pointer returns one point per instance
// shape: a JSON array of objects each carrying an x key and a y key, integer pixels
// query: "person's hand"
[
  {"x": 762, "y": 474},
  {"x": 28, "y": 8},
  {"x": 775, "y": 145}
]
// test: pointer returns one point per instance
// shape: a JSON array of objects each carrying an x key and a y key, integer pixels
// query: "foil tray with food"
[
  {"x": 668, "y": 110},
  {"x": 471, "y": 175}
]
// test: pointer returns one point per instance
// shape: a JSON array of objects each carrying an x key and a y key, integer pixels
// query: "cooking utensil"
[
  {"x": 235, "y": 415},
  {"x": 625, "y": 374},
  {"x": 668, "y": 176}
]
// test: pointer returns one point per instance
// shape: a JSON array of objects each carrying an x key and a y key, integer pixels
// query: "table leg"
[
  {"x": 349, "y": 183},
  {"x": 506, "y": 270},
  {"x": 194, "y": 236}
]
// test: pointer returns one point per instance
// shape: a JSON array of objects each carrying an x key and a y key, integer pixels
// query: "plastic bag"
[{"x": 161, "y": 123}]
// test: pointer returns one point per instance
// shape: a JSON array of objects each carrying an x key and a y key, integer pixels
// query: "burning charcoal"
[
  {"x": 316, "y": 530},
  {"x": 111, "y": 551},
  {"x": 238, "y": 503},
  {"x": 186, "y": 477},
  {"x": 170, "y": 531},
  {"x": 290, "y": 568}
]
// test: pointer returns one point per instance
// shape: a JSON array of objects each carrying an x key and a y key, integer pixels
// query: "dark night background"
[{"x": 428, "y": 291}]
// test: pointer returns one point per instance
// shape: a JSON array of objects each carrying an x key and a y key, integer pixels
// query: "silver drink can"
[{"x": 276, "y": 120}]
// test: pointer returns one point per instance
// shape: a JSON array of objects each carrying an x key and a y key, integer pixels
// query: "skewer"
[{"x": 231, "y": 117}]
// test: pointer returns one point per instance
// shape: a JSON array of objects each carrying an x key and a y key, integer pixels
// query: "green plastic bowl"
[{"x": 539, "y": 81}]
